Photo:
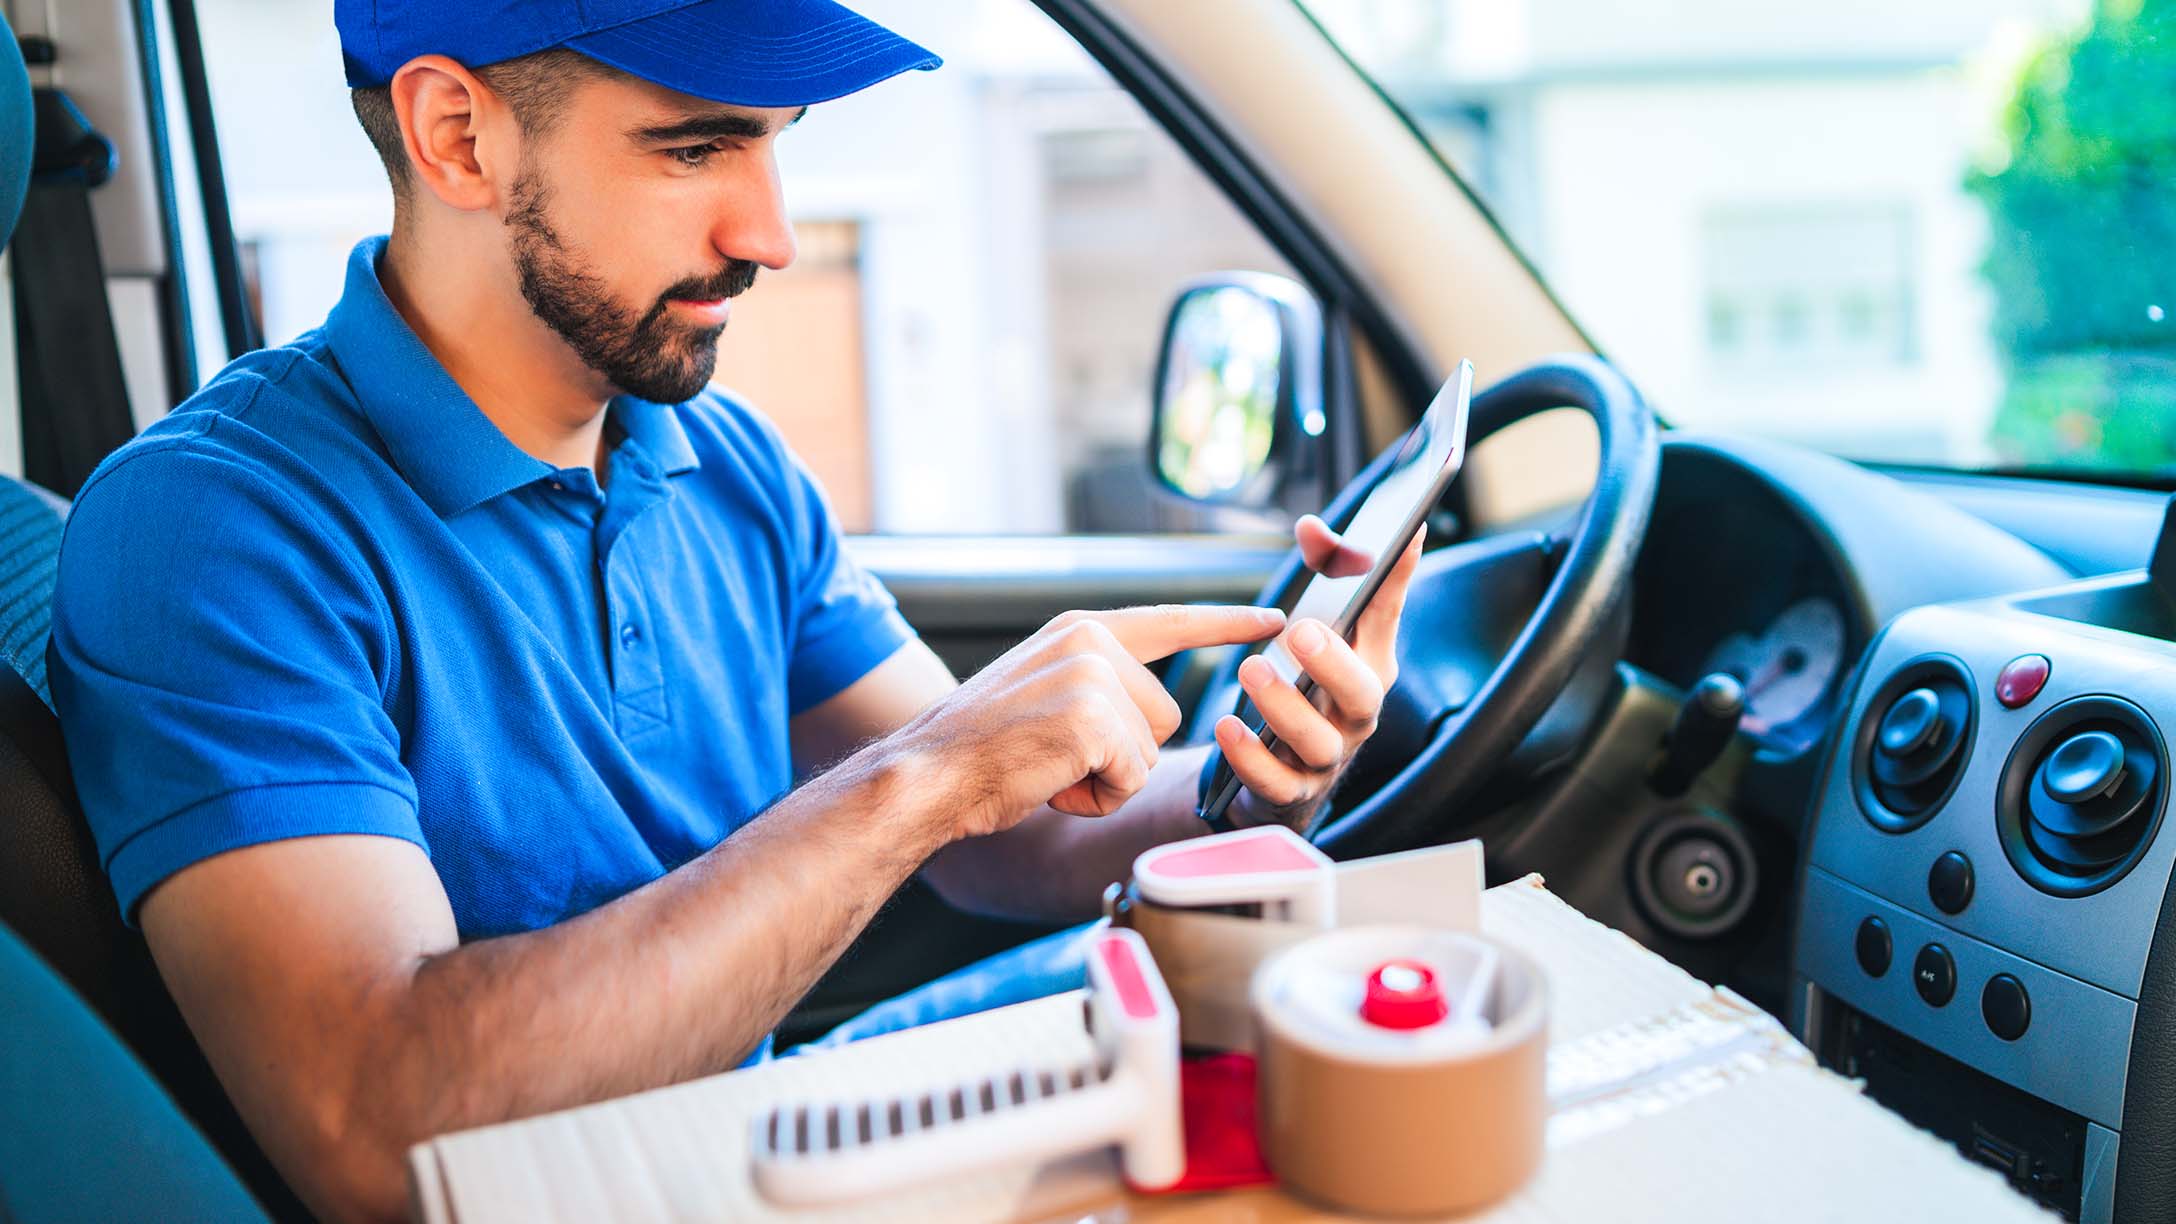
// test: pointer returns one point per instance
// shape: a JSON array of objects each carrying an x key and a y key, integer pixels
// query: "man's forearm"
[
  {"x": 683, "y": 976},
  {"x": 1053, "y": 867},
  {"x": 679, "y": 978}
]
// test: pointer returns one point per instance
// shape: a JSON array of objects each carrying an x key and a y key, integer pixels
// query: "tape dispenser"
[
  {"x": 1400, "y": 1054},
  {"x": 1214, "y": 908},
  {"x": 814, "y": 1154}
]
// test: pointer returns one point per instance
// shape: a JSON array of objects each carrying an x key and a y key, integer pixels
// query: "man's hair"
[{"x": 535, "y": 87}]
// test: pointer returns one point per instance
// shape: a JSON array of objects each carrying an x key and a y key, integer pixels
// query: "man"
[{"x": 437, "y": 683}]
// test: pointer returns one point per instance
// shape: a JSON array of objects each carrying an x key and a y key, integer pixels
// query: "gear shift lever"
[{"x": 1701, "y": 731}]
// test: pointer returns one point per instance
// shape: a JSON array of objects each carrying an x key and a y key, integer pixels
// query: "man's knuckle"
[
  {"x": 1306, "y": 752},
  {"x": 1084, "y": 669},
  {"x": 1082, "y": 706},
  {"x": 1325, "y": 748},
  {"x": 1367, "y": 694},
  {"x": 1085, "y": 636}
]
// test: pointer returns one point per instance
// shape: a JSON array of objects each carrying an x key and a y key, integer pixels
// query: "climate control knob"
[
  {"x": 1912, "y": 723},
  {"x": 1913, "y": 741},
  {"x": 2083, "y": 768},
  {"x": 2081, "y": 794},
  {"x": 2091, "y": 785}
]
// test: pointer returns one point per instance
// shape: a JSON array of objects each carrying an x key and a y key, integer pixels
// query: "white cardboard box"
[{"x": 1674, "y": 1102}]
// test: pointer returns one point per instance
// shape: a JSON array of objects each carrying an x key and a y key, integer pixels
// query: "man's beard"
[{"x": 647, "y": 356}]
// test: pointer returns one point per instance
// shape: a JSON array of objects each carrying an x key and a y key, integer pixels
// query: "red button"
[
  {"x": 2021, "y": 680},
  {"x": 1403, "y": 994}
]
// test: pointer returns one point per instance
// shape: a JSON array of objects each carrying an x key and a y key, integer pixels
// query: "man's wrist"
[{"x": 900, "y": 788}]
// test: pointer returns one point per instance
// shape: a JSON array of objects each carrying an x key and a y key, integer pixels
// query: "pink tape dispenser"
[
  {"x": 817, "y": 1154},
  {"x": 1213, "y": 908},
  {"x": 1272, "y": 871}
]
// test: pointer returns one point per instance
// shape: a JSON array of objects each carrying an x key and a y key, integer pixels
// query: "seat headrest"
[{"x": 15, "y": 130}]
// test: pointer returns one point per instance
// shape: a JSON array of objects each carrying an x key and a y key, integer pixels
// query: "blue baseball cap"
[{"x": 739, "y": 52}]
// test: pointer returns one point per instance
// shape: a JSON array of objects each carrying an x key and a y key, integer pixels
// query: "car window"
[
  {"x": 987, "y": 255},
  {"x": 1927, "y": 233}
]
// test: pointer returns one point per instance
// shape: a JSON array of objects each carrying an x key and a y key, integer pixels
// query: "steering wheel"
[{"x": 1463, "y": 701}]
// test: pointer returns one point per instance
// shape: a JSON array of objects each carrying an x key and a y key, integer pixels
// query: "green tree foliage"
[{"x": 2082, "y": 247}]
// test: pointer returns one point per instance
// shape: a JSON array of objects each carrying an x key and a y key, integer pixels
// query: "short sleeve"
[
  {"x": 218, "y": 662},
  {"x": 844, "y": 621}
]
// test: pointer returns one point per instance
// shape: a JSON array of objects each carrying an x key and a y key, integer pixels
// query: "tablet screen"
[{"x": 1435, "y": 441}]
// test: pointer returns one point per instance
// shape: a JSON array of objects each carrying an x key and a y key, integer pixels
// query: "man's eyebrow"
[{"x": 713, "y": 125}]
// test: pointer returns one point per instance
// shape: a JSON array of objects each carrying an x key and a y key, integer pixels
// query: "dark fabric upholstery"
[
  {"x": 30, "y": 524},
  {"x": 62, "y": 1078},
  {"x": 85, "y": 1132},
  {"x": 16, "y": 127}
]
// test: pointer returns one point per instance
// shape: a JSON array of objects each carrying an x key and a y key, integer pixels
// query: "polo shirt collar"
[
  {"x": 657, "y": 430},
  {"x": 442, "y": 443}
]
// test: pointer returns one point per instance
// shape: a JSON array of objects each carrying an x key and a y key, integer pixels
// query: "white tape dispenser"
[
  {"x": 814, "y": 1154},
  {"x": 1400, "y": 1053}
]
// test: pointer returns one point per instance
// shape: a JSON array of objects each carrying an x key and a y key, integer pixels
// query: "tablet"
[{"x": 1411, "y": 486}]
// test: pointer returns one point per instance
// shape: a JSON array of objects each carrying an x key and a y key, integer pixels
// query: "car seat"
[
  {"x": 85, "y": 1133},
  {"x": 53, "y": 893}
]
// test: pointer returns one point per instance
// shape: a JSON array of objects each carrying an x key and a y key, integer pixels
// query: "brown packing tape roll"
[
  {"x": 1208, "y": 961},
  {"x": 1431, "y": 1131}
]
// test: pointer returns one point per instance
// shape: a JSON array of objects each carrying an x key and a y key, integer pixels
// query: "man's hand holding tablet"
[{"x": 1316, "y": 691}]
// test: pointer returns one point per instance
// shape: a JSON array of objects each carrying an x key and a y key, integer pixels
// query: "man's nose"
[{"x": 752, "y": 224}]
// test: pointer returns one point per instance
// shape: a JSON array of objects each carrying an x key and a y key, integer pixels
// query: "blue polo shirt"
[{"x": 328, "y": 595}]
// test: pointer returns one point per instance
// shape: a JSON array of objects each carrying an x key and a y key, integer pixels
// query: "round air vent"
[
  {"x": 1912, "y": 744},
  {"x": 2081, "y": 795}
]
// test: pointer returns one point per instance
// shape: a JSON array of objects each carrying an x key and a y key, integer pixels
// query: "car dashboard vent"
[
  {"x": 2082, "y": 794},
  {"x": 1912, "y": 744}
]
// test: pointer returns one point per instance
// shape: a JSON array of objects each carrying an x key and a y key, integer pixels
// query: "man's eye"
[{"x": 692, "y": 156}]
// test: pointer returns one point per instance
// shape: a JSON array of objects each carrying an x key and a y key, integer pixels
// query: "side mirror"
[{"x": 1238, "y": 399}]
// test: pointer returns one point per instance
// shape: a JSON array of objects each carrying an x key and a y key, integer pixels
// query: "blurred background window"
[
  {"x": 1938, "y": 232},
  {"x": 1814, "y": 288},
  {"x": 988, "y": 254}
]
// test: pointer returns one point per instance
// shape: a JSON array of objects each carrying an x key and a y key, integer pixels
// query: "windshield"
[{"x": 1934, "y": 233}]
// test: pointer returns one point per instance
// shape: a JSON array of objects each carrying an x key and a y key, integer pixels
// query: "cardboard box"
[{"x": 1672, "y": 1102}]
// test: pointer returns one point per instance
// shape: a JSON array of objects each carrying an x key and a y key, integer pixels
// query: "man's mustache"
[{"x": 732, "y": 282}]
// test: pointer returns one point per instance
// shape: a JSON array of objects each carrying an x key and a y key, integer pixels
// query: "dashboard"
[
  {"x": 1954, "y": 772},
  {"x": 1938, "y": 841},
  {"x": 1734, "y": 580},
  {"x": 1779, "y": 566}
]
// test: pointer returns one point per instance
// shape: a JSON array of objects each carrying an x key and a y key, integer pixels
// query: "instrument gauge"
[{"x": 1788, "y": 667}]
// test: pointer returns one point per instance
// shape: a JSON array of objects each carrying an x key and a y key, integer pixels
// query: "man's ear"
[{"x": 462, "y": 142}]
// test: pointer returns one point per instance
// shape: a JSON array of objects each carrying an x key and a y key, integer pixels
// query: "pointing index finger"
[{"x": 1155, "y": 632}]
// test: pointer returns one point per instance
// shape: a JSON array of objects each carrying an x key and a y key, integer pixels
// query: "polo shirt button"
[{"x": 630, "y": 633}]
